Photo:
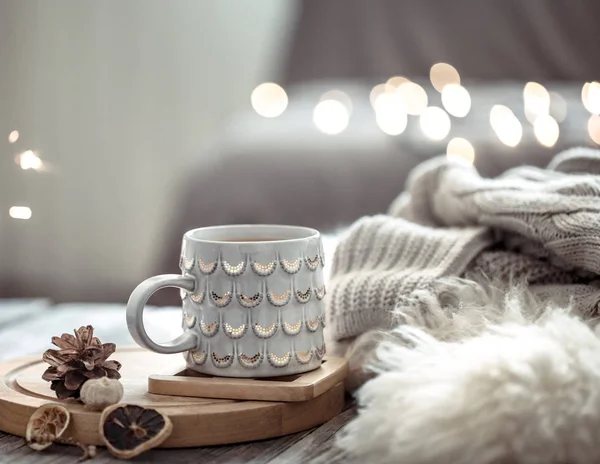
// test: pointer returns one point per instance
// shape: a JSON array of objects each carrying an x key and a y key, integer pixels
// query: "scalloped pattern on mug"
[
  {"x": 279, "y": 361},
  {"x": 190, "y": 320},
  {"x": 188, "y": 264},
  {"x": 291, "y": 267},
  {"x": 304, "y": 357},
  {"x": 303, "y": 297},
  {"x": 322, "y": 317},
  {"x": 221, "y": 301},
  {"x": 265, "y": 332},
  {"x": 199, "y": 357},
  {"x": 292, "y": 329},
  {"x": 263, "y": 270},
  {"x": 279, "y": 300},
  {"x": 312, "y": 264},
  {"x": 250, "y": 362},
  {"x": 207, "y": 268},
  {"x": 249, "y": 301},
  {"x": 183, "y": 294},
  {"x": 235, "y": 332},
  {"x": 197, "y": 297},
  {"x": 320, "y": 351},
  {"x": 320, "y": 292},
  {"x": 233, "y": 270},
  {"x": 313, "y": 326},
  {"x": 209, "y": 330},
  {"x": 222, "y": 362}
]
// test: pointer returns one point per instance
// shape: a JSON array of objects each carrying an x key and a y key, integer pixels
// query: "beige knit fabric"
[{"x": 541, "y": 226}]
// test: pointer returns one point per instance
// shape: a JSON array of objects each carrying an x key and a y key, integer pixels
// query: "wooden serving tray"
[
  {"x": 300, "y": 387},
  {"x": 196, "y": 421}
]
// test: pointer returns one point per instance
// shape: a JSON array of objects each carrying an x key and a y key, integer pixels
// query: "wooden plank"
[{"x": 301, "y": 387}]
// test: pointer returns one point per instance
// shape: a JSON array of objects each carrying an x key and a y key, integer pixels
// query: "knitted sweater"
[{"x": 540, "y": 226}]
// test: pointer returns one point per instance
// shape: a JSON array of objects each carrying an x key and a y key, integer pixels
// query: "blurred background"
[{"x": 125, "y": 123}]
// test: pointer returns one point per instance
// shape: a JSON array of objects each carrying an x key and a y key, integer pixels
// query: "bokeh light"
[
  {"x": 546, "y": 130},
  {"x": 376, "y": 92},
  {"x": 536, "y": 100},
  {"x": 340, "y": 96},
  {"x": 19, "y": 212},
  {"x": 590, "y": 96},
  {"x": 506, "y": 125},
  {"x": 435, "y": 123},
  {"x": 460, "y": 149},
  {"x": 390, "y": 114},
  {"x": 558, "y": 106},
  {"x": 331, "y": 116},
  {"x": 269, "y": 100},
  {"x": 13, "y": 136},
  {"x": 442, "y": 74},
  {"x": 396, "y": 81},
  {"x": 593, "y": 127},
  {"x": 29, "y": 160},
  {"x": 414, "y": 97},
  {"x": 456, "y": 100}
]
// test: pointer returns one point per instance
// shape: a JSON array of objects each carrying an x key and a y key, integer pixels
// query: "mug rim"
[{"x": 307, "y": 233}]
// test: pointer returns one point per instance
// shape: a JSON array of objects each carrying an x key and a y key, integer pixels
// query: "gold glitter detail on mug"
[
  {"x": 249, "y": 301},
  {"x": 221, "y": 301},
  {"x": 197, "y": 297},
  {"x": 263, "y": 270},
  {"x": 312, "y": 264},
  {"x": 250, "y": 362},
  {"x": 279, "y": 361},
  {"x": 303, "y": 297},
  {"x": 188, "y": 264},
  {"x": 264, "y": 332},
  {"x": 320, "y": 292},
  {"x": 320, "y": 351},
  {"x": 190, "y": 320},
  {"x": 291, "y": 267},
  {"x": 237, "y": 332},
  {"x": 207, "y": 268},
  {"x": 313, "y": 325},
  {"x": 209, "y": 330},
  {"x": 304, "y": 357},
  {"x": 199, "y": 357},
  {"x": 279, "y": 300},
  {"x": 292, "y": 329},
  {"x": 222, "y": 362},
  {"x": 233, "y": 271}
]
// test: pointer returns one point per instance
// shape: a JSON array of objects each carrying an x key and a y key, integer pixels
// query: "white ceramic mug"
[{"x": 252, "y": 301}]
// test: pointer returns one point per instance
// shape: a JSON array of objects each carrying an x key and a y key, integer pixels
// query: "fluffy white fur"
[{"x": 498, "y": 383}]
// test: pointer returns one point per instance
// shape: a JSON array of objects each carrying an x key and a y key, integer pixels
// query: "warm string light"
[
  {"x": 593, "y": 127},
  {"x": 390, "y": 114},
  {"x": 536, "y": 101},
  {"x": 19, "y": 212},
  {"x": 460, "y": 149},
  {"x": 506, "y": 125},
  {"x": 590, "y": 96},
  {"x": 331, "y": 116},
  {"x": 269, "y": 100},
  {"x": 546, "y": 130},
  {"x": 414, "y": 97},
  {"x": 442, "y": 74},
  {"x": 456, "y": 100},
  {"x": 435, "y": 123},
  {"x": 13, "y": 136},
  {"x": 29, "y": 160}
]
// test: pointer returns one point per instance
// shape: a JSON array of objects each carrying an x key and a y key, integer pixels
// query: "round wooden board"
[{"x": 196, "y": 421}]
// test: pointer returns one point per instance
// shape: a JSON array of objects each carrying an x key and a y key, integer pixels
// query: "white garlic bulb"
[{"x": 97, "y": 394}]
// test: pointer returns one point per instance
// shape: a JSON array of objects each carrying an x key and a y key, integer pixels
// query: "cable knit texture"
[{"x": 540, "y": 226}]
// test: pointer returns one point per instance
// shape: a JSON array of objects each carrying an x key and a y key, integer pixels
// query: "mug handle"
[{"x": 135, "y": 310}]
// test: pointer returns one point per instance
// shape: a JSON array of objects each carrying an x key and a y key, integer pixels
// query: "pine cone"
[{"x": 80, "y": 358}]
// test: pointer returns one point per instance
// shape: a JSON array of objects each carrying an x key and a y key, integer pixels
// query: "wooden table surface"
[{"x": 26, "y": 327}]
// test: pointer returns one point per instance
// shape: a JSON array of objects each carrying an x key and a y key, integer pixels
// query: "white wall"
[{"x": 120, "y": 96}]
